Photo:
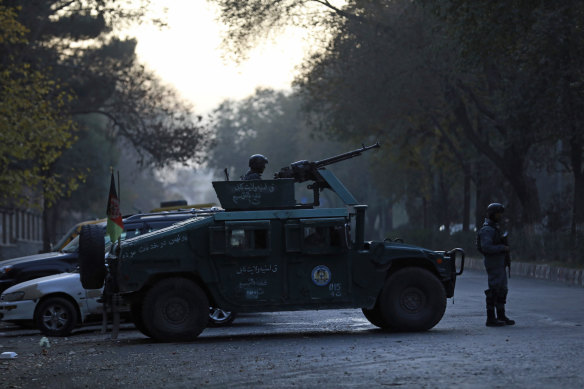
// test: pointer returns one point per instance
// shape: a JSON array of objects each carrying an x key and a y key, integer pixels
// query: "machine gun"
[{"x": 302, "y": 171}]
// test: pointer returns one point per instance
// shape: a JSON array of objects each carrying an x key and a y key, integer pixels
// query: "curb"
[{"x": 565, "y": 275}]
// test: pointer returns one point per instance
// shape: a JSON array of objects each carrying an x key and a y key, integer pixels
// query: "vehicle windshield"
[
  {"x": 60, "y": 245},
  {"x": 73, "y": 246}
]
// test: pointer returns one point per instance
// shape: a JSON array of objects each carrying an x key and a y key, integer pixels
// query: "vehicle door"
[
  {"x": 317, "y": 261},
  {"x": 92, "y": 303},
  {"x": 246, "y": 261}
]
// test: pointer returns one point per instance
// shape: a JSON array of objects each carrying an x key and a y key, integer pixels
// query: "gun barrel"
[{"x": 344, "y": 156}]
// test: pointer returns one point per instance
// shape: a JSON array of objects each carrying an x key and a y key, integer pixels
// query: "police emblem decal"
[{"x": 321, "y": 275}]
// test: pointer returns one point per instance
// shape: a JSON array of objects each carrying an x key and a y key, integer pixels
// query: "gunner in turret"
[{"x": 257, "y": 164}]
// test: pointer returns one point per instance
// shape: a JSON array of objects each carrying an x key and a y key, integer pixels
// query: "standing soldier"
[
  {"x": 257, "y": 164},
  {"x": 490, "y": 243}
]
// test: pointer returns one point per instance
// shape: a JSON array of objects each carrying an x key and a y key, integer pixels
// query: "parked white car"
[{"x": 55, "y": 304}]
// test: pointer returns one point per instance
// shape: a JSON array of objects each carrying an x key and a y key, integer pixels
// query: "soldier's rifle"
[{"x": 505, "y": 241}]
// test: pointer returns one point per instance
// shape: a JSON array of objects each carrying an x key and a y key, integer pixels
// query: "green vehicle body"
[{"x": 265, "y": 253}]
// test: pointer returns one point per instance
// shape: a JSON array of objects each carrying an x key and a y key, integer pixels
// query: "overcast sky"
[{"x": 187, "y": 55}]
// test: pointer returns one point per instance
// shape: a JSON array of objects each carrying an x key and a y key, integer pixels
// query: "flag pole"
[
  {"x": 119, "y": 202},
  {"x": 119, "y": 189}
]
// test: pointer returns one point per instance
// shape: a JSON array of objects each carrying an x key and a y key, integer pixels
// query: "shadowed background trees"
[
  {"x": 475, "y": 101},
  {"x": 92, "y": 101}
]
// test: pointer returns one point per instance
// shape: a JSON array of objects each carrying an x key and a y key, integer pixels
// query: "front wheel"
[
  {"x": 413, "y": 299},
  {"x": 375, "y": 317},
  {"x": 56, "y": 316},
  {"x": 175, "y": 309}
]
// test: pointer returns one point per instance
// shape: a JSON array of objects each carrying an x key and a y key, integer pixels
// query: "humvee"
[{"x": 263, "y": 252}]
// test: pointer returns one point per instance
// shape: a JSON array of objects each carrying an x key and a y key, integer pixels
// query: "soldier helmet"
[
  {"x": 257, "y": 162},
  {"x": 493, "y": 209}
]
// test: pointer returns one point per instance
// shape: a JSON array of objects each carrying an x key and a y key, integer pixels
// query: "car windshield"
[
  {"x": 60, "y": 245},
  {"x": 73, "y": 246},
  {"x": 131, "y": 232}
]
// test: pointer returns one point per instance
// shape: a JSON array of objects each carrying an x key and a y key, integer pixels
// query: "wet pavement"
[{"x": 336, "y": 348}]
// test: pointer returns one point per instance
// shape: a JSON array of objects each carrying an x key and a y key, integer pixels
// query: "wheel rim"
[
  {"x": 218, "y": 315},
  {"x": 176, "y": 310},
  {"x": 55, "y": 317},
  {"x": 412, "y": 300}
]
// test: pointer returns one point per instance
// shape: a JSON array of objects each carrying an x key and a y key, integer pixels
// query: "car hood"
[
  {"x": 385, "y": 252},
  {"x": 36, "y": 257},
  {"x": 66, "y": 282}
]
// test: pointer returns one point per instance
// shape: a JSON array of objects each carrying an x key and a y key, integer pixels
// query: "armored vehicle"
[{"x": 263, "y": 252}]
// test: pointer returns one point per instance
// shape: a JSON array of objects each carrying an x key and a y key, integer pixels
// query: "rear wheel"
[
  {"x": 413, "y": 299},
  {"x": 56, "y": 316},
  {"x": 175, "y": 309},
  {"x": 92, "y": 257}
]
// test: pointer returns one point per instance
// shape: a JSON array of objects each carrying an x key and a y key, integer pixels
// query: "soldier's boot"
[
  {"x": 501, "y": 316},
  {"x": 491, "y": 318},
  {"x": 500, "y": 301}
]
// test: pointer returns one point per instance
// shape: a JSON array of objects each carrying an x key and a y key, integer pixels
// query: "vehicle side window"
[
  {"x": 241, "y": 238},
  {"x": 128, "y": 234},
  {"x": 316, "y": 236}
]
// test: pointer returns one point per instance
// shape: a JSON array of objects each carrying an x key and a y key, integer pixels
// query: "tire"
[
  {"x": 136, "y": 314},
  {"x": 56, "y": 316},
  {"x": 220, "y": 318},
  {"x": 413, "y": 299},
  {"x": 92, "y": 257},
  {"x": 374, "y": 316},
  {"x": 175, "y": 309}
]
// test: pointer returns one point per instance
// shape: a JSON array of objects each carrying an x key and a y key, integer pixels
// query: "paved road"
[{"x": 330, "y": 349}]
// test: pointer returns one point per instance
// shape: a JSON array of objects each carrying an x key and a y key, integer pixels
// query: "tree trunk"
[
  {"x": 466, "y": 194},
  {"x": 523, "y": 185},
  {"x": 425, "y": 213},
  {"x": 47, "y": 226},
  {"x": 481, "y": 197},
  {"x": 576, "y": 151},
  {"x": 511, "y": 163}
]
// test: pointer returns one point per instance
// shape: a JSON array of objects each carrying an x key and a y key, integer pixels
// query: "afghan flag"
[{"x": 115, "y": 224}]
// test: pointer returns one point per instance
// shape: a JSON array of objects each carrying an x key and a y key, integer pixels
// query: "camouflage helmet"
[
  {"x": 493, "y": 209},
  {"x": 257, "y": 162}
]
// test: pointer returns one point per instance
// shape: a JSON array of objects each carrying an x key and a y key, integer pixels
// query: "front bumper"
[
  {"x": 17, "y": 310},
  {"x": 452, "y": 254}
]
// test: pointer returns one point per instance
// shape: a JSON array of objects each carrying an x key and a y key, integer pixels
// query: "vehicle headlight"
[
  {"x": 14, "y": 296},
  {"x": 5, "y": 269}
]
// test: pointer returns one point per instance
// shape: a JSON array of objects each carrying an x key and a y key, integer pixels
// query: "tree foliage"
[
  {"x": 79, "y": 42},
  {"x": 36, "y": 128},
  {"x": 79, "y": 66}
]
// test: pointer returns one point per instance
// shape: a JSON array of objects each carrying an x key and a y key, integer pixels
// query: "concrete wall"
[
  {"x": 19, "y": 249},
  {"x": 534, "y": 270}
]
